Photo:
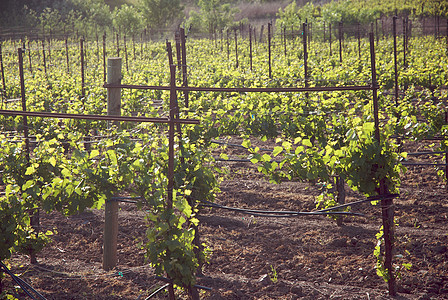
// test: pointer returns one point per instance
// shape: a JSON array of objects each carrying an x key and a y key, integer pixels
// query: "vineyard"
[{"x": 273, "y": 164}]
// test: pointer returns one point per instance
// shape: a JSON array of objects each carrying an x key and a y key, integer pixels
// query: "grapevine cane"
[{"x": 387, "y": 206}]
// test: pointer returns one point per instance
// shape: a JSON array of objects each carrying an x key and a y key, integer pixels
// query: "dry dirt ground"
[{"x": 259, "y": 258}]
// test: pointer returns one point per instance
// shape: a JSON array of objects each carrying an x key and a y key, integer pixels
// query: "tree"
[
  {"x": 128, "y": 19},
  {"x": 160, "y": 14},
  {"x": 213, "y": 16}
]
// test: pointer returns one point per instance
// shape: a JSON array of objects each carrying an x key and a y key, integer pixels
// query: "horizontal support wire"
[
  {"x": 95, "y": 117},
  {"x": 239, "y": 159},
  {"x": 239, "y": 146},
  {"x": 246, "y": 90}
]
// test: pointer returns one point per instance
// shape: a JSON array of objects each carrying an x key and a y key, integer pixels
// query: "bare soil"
[{"x": 255, "y": 257}]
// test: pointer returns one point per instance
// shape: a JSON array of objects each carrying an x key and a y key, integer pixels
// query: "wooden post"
[
  {"x": 118, "y": 46},
  {"x": 111, "y": 207},
  {"x": 324, "y": 32},
  {"x": 83, "y": 84},
  {"x": 126, "y": 53},
  {"x": 29, "y": 57},
  {"x": 67, "y": 59},
  {"x": 359, "y": 40},
  {"x": 329, "y": 38},
  {"x": 387, "y": 205},
  {"x": 228, "y": 45},
  {"x": 2, "y": 70},
  {"x": 183, "y": 41},
  {"x": 34, "y": 214},
  {"x": 284, "y": 42},
  {"x": 250, "y": 46},
  {"x": 404, "y": 41},
  {"x": 340, "y": 41},
  {"x": 104, "y": 57},
  {"x": 178, "y": 49},
  {"x": 340, "y": 189},
  {"x": 236, "y": 49},
  {"x": 394, "y": 32},
  {"x": 43, "y": 53},
  {"x": 269, "y": 49},
  {"x": 305, "y": 54}
]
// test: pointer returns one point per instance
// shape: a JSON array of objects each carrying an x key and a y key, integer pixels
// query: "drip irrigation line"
[
  {"x": 424, "y": 164},
  {"x": 431, "y": 138},
  {"x": 276, "y": 214},
  {"x": 283, "y": 214},
  {"x": 24, "y": 285},
  {"x": 425, "y": 153},
  {"x": 368, "y": 199}
]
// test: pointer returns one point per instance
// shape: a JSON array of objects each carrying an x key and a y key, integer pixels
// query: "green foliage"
[
  {"x": 161, "y": 13},
  {"x": 213, "y": 16},
  {"x": 128, "y": 19}
]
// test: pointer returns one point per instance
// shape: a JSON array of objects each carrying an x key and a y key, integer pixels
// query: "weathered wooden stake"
[
  {"x": 83, "y": 84},
  {"x": 3, "y": 71},
  {"x": 394, "y": 32},
  {"x": 269, "y": 47},
  {"x": 111, "y": 208},
  {"x": 387, "y": 205}
]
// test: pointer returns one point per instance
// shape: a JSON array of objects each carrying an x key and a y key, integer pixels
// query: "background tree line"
[{"x": 131, "y": 17}]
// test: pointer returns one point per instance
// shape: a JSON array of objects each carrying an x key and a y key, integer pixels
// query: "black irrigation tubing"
[
  {"x": 326, "y": 211},
  {"x": 277, "y": 214},
  {"x": 425, "y": 153},
  {"x": 25, "y": 286},
  {"x": 423, "y": 164},
  {"x": 433, "y": 138}
]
